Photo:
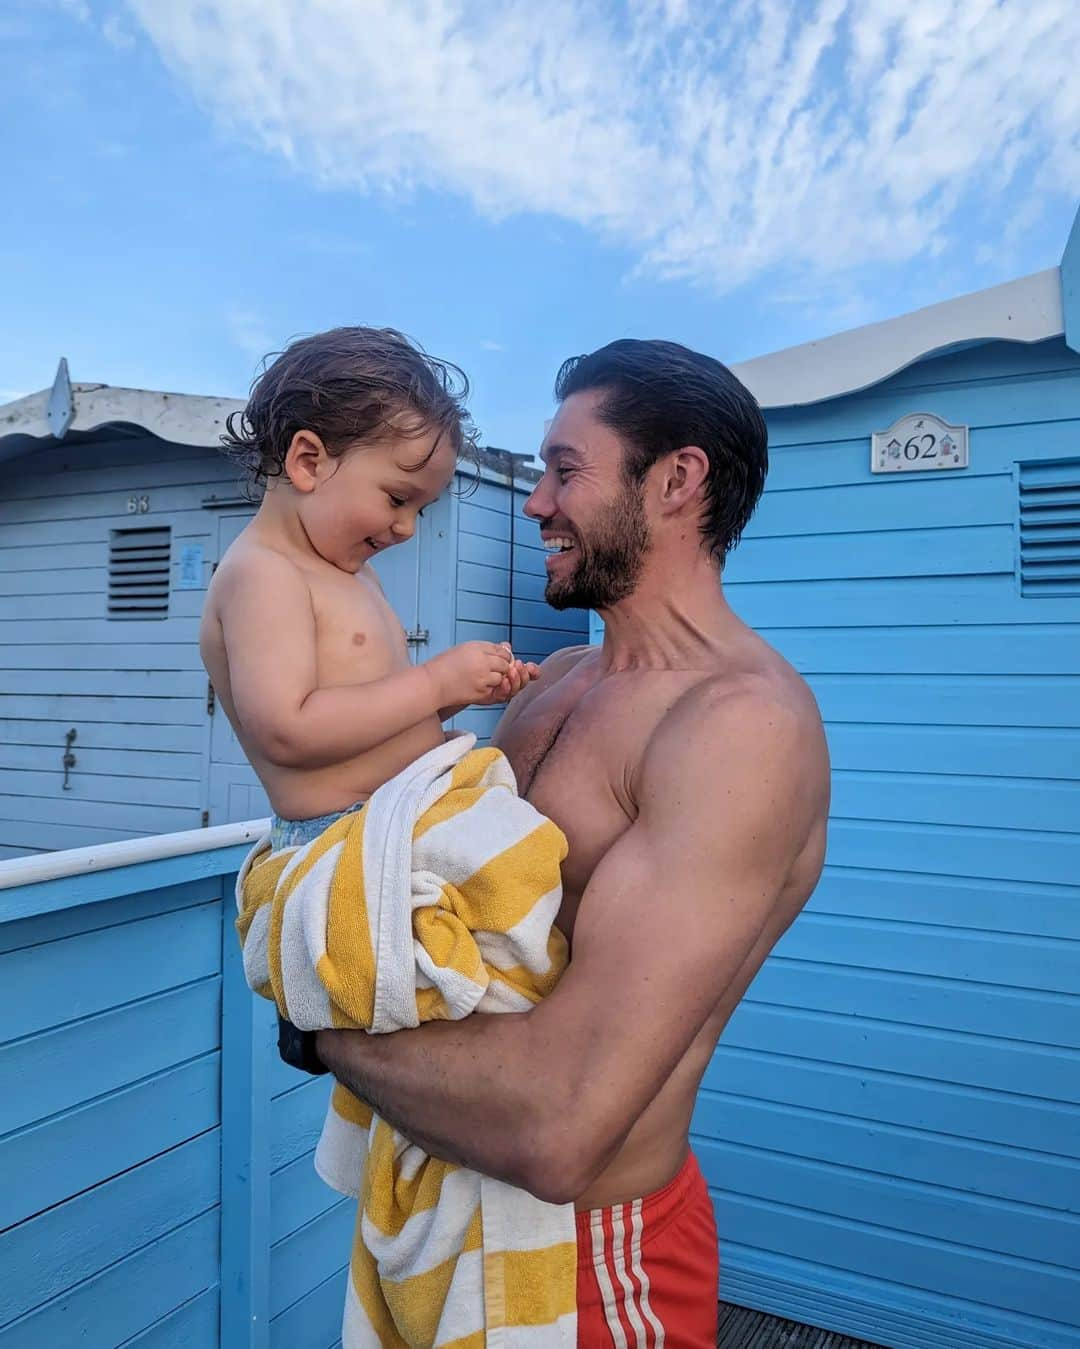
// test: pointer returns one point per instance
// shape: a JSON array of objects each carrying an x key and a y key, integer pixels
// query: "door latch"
[
  {"x": 69, "y": 757},
  {"x": 418, "y": 637}
]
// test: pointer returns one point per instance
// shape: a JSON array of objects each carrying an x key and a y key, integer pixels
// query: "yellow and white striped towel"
[{"x": 435, "y": 900}]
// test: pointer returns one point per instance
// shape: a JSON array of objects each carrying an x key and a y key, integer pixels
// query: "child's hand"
[
  {"x": 474, "y": 672},
  {"x": 519, "y": 676}
]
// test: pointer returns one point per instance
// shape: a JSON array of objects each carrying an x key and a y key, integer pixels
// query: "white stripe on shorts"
[{"x": 638, "y": 1268}]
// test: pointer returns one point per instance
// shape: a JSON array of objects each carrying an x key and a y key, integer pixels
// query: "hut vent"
[
  {"x": 139, "y": 573},
  {"x": 1050, "y": 528}
]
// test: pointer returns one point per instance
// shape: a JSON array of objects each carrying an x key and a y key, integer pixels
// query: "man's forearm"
[{"x": 466, "y": 1091}]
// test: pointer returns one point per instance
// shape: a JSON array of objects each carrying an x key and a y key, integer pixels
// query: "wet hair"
[
  {"x": 349, "y": 386},
  {"x": 659, "y": 397}
]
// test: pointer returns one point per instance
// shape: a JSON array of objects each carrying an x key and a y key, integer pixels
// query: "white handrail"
[{"x": 54, "y": 866}]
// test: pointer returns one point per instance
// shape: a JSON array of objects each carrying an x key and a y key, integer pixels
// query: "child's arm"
[{"x": 269, "y": 630}]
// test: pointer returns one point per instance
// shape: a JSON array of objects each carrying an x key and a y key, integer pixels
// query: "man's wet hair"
[
  {"x": 350, "y": 386},
  {"x": 660, "y": 396}
]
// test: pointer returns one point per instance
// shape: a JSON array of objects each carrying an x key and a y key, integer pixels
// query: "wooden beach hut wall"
[
  {"x": 891, "y": 1126},
  {"x": 115, "y": 505}
]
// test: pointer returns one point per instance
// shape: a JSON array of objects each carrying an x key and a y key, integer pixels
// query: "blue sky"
[{"x": 190, "y": 185}]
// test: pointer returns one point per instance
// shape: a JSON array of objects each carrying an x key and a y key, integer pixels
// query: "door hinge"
[
  {"x": 206, "y": 819},
  {"x": 211, "y": 699},
  {"x": 418, "y": 637}
]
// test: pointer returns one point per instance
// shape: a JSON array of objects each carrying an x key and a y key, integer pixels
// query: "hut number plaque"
[{"x": 919, "y": 443}]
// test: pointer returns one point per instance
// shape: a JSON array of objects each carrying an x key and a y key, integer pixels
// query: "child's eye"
[{"x": 396, "y": 501}]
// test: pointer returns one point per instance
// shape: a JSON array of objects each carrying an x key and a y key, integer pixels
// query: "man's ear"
[
  {"x": 682, "y": 475},
  {"x": 306, "y": 461}
]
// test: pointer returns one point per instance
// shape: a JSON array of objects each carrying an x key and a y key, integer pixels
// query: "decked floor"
[{"x": 741, "y": 1328}]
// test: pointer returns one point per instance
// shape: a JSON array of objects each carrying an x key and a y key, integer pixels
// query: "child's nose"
[{"x": 403, "y": 529}]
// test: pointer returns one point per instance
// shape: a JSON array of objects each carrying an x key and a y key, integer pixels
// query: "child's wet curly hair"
[{"x": 348, "y": 385}]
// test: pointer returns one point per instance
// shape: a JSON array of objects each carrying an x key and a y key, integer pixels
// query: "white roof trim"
[
  {"x": 1026, "y": 310},
  {"x": 184, "y": 418}
]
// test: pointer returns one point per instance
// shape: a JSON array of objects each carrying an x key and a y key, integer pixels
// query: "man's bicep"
[{"x": 678, "y": 905}]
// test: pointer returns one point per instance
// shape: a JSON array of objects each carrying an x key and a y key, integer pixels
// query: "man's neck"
[{"x": 677, "y": 618}]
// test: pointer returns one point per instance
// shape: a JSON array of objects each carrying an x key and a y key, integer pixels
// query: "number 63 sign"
[{"x": 919, "y": 443}]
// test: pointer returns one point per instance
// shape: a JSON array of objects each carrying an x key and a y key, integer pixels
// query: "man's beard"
[{"x": 610, "y": 561}]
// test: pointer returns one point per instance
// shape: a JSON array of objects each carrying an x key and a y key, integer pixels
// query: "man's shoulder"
[
  {"x": 758, "y": 712},
  {"x": 559, "y": 662}
]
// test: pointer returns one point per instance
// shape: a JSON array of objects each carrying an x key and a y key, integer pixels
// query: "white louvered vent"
[
  {"x": 139, "y": 573},
  {"x": 1050, "y": 528}
]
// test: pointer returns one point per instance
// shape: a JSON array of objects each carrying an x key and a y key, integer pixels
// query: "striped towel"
[{"x": 434, "y": 901}]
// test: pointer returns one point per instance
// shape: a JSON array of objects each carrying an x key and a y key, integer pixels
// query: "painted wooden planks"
[
  {"x": 784, "y": 1073},
  {"x": 1029, "y": 1178},
  {"x": 68, "y": 979},
  {"x": 309, "y": 1254},
  {"x": 61, "y": 1068},
  {"x": 127, "y": 1297},
  {"x": 809, "y": 1228},
  {"x": 296, "y": 1120},
  {"x": 947, "y": 902},
  {"x": 976, "y": 954},
  {"x": 828, "y": 555},
  {"x": 314, "y": 1320},
  {"x": 77, "y": 1239}
]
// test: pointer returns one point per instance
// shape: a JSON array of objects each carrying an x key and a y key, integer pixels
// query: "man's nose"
[{"x": 539, "y": 505}]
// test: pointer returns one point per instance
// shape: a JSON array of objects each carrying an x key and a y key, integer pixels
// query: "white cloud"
[
  {"x": 116, "y": 33},
  {"x": 716, "y": 142},
  {"x": 249, "y": 333},
  {"x": 486, "y": 344}
]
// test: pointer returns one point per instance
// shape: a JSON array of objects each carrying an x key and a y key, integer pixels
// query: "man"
[{"x": 686, "y": 763}]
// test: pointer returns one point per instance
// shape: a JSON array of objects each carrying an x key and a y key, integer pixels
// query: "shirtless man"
[{"x": 686, "y": 763}]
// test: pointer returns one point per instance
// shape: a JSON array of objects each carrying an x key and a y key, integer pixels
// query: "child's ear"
[{"x": 306, "y": 461}]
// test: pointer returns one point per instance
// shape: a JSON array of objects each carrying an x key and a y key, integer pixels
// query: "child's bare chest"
[{"x": 358, "y": 636}]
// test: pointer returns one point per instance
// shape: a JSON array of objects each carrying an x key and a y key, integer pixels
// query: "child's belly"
[{"x": 302, "y": 794}]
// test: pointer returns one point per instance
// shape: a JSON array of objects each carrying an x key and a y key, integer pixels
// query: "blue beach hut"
[
  {"x": 891, "y": 1125},
  {"x": 115, "y": 505}
]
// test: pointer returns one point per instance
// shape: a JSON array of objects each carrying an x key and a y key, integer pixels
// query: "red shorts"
[{"x": 648, "y": 1271}]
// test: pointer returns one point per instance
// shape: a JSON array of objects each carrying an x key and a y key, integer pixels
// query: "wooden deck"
[{"x": 741, "y": 1328}]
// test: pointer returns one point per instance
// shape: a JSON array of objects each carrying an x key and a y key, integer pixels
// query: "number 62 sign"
[{"x": 919, "y": 443}]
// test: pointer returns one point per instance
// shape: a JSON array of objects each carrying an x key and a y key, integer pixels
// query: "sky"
[{"x": 189, "y": 185}]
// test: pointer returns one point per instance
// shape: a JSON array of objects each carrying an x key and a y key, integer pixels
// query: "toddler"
[{"x": 353, "y": 432}]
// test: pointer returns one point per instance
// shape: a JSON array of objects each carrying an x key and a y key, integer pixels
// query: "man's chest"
[{"x": 575, "y": 751}]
